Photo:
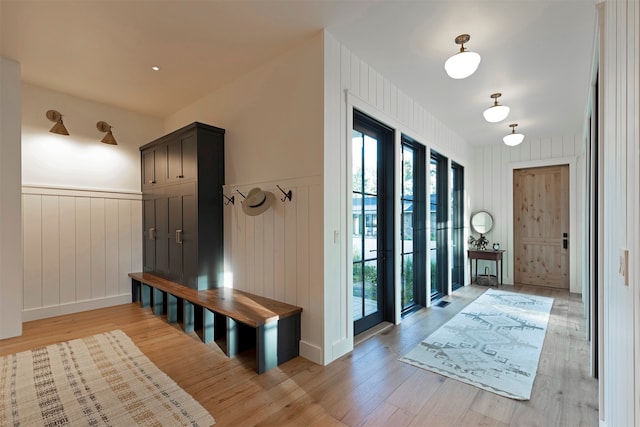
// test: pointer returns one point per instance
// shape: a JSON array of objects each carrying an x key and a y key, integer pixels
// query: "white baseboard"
[
  {"x": 74, "y": 307},
  {"x": 311, "y": 352},
  {"x": 340, "y": 348}
]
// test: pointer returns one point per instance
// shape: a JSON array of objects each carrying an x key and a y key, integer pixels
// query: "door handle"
[
  {"x": 152, "y": 181},
  {"x": 152, "y": 233},
  {"x": 179, "y": 237},
  {"x": 565, "y": 241},
  {"x": 180, "y": 176}
]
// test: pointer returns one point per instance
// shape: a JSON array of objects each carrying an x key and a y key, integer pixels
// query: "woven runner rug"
[
  {"x": 494, "y": 343},
  {"x": 103, "y": 380}
]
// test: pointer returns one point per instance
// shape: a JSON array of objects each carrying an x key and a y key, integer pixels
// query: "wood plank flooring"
[{"x": 367, "y": 387}]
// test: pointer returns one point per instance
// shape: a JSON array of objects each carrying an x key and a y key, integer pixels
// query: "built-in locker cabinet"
[{"x": 182, "y": 216}]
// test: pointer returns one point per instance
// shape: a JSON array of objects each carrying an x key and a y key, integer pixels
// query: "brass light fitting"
[
  {"x": 59, "y": 127},
  {"x": 108, "y": 138},
  {"x": 496, "y": 113},
  {"x": 463, "y": 63},
  {"x": 513, "y": 138}
]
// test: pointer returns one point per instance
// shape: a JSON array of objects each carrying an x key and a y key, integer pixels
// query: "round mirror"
[{"x": 481, "y": 222}]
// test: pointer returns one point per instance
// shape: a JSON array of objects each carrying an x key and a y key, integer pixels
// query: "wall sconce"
[
  {"x": 58, "y": 128},
  {"x": 496, "y": 113},
  {"x": 108, "y": 138},
  {"x": 463, "y": 63},
  {"x": 513, "y": 138}
]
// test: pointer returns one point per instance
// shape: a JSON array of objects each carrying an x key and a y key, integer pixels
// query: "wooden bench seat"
[{"x": 234, "y": 319}]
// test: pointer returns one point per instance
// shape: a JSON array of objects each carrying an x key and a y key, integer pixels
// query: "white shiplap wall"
[
  {"x": 491, "y": 187},
  {"x": 78, "y": 248},
  {"x": 620, "y": 135},
  {"x": 276, "y": 254},
  {"x": 351, "y": 83}
]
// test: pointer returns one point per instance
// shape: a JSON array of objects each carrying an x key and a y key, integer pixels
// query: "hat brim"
[{"x": 254, "y": 211}]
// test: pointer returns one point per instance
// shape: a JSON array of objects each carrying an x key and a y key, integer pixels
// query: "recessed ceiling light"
[{"x": 155, "y": 68}]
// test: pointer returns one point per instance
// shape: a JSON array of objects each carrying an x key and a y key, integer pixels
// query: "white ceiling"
[{"x": 537, "y": 53}]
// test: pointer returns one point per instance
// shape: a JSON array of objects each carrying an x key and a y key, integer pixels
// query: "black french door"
[
  {"x": 438, "y": 216},
  {"x": 372, "y": 207},
  {"x": 413, "y": 226},
  {"x": 457, "y": 226}
]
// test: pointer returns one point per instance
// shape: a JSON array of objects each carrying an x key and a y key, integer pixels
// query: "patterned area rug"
[
  {"x": 94, "y": 381},
  {"x": 494, "y": 343}
]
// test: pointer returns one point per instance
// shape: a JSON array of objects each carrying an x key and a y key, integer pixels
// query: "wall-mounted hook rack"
[
  {"x": 287, "y": 195},
  {"x": 231, "y": 199},
  {"x": 243, "y": 196}
]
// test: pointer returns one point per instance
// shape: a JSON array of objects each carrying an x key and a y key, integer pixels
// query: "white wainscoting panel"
[
  {"x": 274, "y": 254},
  {"x": 79, "y": 246}
]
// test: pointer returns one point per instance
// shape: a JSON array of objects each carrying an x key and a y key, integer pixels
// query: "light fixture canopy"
[
  {"x": 59, "y": 127},
  {"x": 513, "y": 138},
  {"x": 496, "y": 113},
  {"x": 108, "y": 138},
  {"x": 463, "y": 63}
]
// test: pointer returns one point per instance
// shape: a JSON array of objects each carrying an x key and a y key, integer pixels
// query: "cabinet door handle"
[
  {"x": 152, "y": 234},
  {"x": 152, "y": 181},
  {"x": 179, "y": 176},
  {"x": 179, "y": 237}
]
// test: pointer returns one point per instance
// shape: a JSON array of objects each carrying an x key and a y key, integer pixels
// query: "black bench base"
[{"x": 275, "y": 342}]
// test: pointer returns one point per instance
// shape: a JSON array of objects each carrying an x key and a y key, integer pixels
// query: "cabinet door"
[
  {"x": 149, "y": 234},
  {"x": 175, "y": 237},
  {"x": 162, "y": 236},
  {"x": 190, "y": 272},
  {"x": 148, "y": 168},
  {"x": 183, "y": 241},
  {"x": 154, "y": 167},
  {"x": 181, "y": 159}
]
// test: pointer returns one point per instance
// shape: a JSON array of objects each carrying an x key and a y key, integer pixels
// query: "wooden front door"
[{"x": 541, "y": 226}]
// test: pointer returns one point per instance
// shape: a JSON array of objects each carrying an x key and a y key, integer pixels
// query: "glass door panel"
[
  {"x": 439, "y": 217},
  {"x": 457, "y": 231},
  {"x": 433, "y": 224},
  {"x": 365, "y": 216},
  {"x": 406, "y": 229},
  {"x": 372, "y": 240}
]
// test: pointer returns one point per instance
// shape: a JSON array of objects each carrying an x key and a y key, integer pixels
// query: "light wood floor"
[{"x": 367, "y": 387}]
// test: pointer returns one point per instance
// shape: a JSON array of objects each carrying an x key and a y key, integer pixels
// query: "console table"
[{"x": 489, "y": 255}]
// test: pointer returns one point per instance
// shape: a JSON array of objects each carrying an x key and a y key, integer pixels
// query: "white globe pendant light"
[
  {"x": 513, "y": 138},
  {"x": 463, "y": 63},
  {"x": 496, "y": 113}
]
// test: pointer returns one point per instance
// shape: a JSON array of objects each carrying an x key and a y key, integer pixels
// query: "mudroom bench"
[{"x": 234, "y": 319}]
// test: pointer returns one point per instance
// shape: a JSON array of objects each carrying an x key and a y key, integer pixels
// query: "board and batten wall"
[
  {"x": 619, "y": 108},
  {"x": 81, "y": 204},
  {"x": 271, "y": 255},
  {"x": 352, "y": 83},
  {"x": 10, "y": 206},
  {"x": 79, "y": 247},
  {"x": 491, "y": 186},
  {"x": 273, "y": 120}
]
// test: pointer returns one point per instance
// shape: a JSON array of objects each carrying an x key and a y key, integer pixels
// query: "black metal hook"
[
  {"x": 231, "y": 199},
  {"x": 287, "y": 195},
  {"x": 243, "y": 196}
]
